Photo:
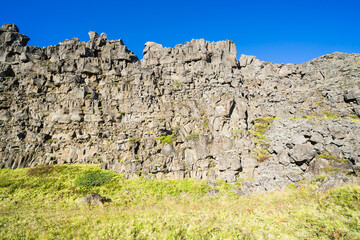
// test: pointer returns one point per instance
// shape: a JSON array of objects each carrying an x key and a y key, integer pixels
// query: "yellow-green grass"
[{"x": 48, "y": 208}]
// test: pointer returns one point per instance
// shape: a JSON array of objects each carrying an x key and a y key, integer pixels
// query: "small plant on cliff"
[
  {"x": 328, "y": 156},
  {"x": 291, "y": 186},
  {"x": 192, "y": 137},
  {"x": 354, "y": 118},
  {"x": 262, "y": 155},
  {"x": 237, "y": 132},
  {"x": 328, "y": 115},
  {"x": 178, "y": 84},
  {"x": 46, "y": 63},
  {"x": 261, "y": 125},
  {"x": 165, "y": 139},
  {"x": 168, "y": 136},
  {"x": 134, "y": 140}
]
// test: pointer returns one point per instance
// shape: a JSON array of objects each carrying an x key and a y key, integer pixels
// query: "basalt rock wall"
[{"x": 189, "y": 111}]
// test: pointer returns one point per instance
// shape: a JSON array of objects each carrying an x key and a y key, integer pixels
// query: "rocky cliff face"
[{"x": 189, "y": 111}]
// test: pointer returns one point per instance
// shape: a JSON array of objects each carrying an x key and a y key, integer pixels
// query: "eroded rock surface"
[{"x": 189, "y": 111}]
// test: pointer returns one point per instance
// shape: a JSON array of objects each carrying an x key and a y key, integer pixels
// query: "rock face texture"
[{"x": 189, "y": 111}]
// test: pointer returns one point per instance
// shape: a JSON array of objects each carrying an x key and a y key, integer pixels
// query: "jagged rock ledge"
[{"x": 189, "y": 111}]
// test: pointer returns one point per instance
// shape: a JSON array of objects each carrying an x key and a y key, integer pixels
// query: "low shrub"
[
  {"x": 262, "y": 155},
  {"x": 94, "y": 178},
  {"x": 165, "y": 139}
]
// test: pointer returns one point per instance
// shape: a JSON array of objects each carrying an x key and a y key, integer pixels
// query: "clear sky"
[{"x": 292, "y": 31}]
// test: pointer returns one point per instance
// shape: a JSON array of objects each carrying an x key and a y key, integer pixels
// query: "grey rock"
[
  {"x": 337, "y": 181},
  {"x": 237, "y": 191},
  {"x": 9, "y": 27},
  {"x": 93, "y": 35},
  {"x": 94, "y": 199},
  {"x": 213, "y": 193},
  {"x": 211, "y": 184},
  {"x": 303, "y": 153},
  {"x": 352, "y": 95}
]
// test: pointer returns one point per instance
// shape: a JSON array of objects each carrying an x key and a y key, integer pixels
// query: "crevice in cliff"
[
  {"x": 247, "y": 120},
  {"x": 232, "y": 107}
]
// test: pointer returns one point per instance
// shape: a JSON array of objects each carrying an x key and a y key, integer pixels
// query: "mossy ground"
[{"x": 48, "y": 208}]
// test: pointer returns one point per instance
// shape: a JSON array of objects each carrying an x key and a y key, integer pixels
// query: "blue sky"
[{"x": 275, "y": 30}]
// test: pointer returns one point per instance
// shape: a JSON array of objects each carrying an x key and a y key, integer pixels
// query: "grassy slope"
[{"x": 47, "y": 208}]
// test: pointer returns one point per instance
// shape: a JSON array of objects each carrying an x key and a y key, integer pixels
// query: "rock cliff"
[{"x": 189, "y": 111}]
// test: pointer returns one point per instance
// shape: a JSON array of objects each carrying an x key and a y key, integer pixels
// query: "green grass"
[{"x": 47, "y": 208}]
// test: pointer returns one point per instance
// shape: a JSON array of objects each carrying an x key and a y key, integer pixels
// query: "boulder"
[{"x": 94, "y": 199}]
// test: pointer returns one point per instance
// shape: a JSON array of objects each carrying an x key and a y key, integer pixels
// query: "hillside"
[{"x": 192, "y": 111}]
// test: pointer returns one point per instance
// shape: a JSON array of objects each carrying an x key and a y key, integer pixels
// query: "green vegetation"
[
  {"x": 262, "y": 154},
  {"x": 291, "y": 186},
  {"x": 261, "y": 125},
  {"x": 309, "y": 117},
  {"x": 325, "y": 115},
  {"x": 169, "y": 138},
  {"x": 93, "y": 178},
  {"x": 354, "y": 118},
  {"x": 328, "y": 115},
  {"x": 320, "y": 103},
  {"x": 192, "y": 137},
  {"x": 40, "y": 170},
  {"x": 330, "y": 170},
  {"x": 326, "y": 155},
  {"x": 165, "y": 139},
  {"x": 134, "y": 140},
  {"x": 178, "y": 84},
  {"x": 237, "y": 132},
  {"x": 46, "y": 63},
  {"x": 43, "y": 203}
]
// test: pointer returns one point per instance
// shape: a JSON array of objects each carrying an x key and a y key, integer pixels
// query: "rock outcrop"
[{"x": 189, "y": 111}]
